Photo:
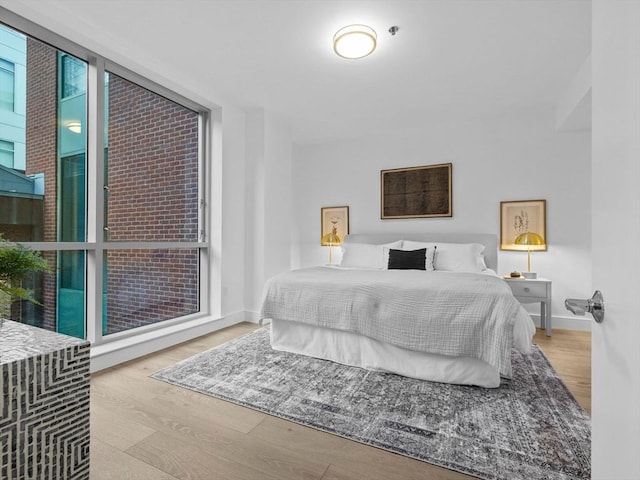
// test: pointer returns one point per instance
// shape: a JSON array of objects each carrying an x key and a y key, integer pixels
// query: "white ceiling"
[{"x": 450, "y": 58}]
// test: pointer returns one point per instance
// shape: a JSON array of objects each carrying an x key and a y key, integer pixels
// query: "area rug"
[{"x": 531, "y": 427}]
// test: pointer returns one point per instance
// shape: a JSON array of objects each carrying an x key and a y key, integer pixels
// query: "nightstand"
[{"x": 533, "y": 291}]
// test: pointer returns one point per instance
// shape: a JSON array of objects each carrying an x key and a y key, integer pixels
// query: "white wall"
[
  {"x": 268, "y": 215},
  {"x": 514, "y": 157},
  {"x": 227, "y": 207}
]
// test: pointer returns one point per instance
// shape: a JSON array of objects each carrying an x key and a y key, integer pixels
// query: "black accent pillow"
[{"x": 407, "y": 259}]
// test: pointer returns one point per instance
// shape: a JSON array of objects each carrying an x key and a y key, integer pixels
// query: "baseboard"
[
  {"x": 567, "y": 323},
  {"x": 122, "y": 350}
]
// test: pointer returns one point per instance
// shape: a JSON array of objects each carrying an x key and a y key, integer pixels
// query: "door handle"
[{"x": 594, "y": 305}]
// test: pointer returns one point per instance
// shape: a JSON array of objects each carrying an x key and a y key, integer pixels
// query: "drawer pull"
[{"x": 526, "y": 289}]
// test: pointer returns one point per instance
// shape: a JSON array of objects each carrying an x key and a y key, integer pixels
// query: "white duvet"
[{"x": 446, "y": 313}]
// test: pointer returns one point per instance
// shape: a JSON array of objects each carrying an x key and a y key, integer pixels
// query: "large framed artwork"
[
  {"x": 522, "y": 216},
  {"x": 334, "y": 225},
  {"x": 416, "y": 192}
]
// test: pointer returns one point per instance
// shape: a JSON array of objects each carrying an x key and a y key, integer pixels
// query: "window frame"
[{"x": 95, "y": 245}]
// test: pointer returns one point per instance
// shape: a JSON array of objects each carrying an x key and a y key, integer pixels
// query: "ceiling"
[{"x": 450, "y": 58}]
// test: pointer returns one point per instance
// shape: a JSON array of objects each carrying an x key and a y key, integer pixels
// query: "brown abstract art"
[{"x": 416, "y": 192}]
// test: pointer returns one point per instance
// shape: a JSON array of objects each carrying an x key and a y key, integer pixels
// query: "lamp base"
[{"x": 530, "y": 275}]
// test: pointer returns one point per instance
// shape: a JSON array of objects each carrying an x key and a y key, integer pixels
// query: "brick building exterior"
[
  {"x": 152, "y": 176},
  {"x": 41, "y": 152}
]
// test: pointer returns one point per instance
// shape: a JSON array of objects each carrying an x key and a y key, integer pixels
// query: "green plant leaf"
[{"x": 16, "y": 263}]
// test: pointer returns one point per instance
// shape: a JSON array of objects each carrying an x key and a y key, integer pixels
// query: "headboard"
[{"x": 489, "y": 240}]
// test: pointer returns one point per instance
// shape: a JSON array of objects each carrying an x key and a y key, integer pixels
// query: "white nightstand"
[{"x": 534, "y": 291}]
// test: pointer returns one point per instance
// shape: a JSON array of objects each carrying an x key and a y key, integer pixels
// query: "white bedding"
[
  {"x": 448, "y": 314},
  {"x": 356, "y": 350}
]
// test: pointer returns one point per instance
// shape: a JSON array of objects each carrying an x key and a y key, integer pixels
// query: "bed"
[{"x": 454, "y": 321}]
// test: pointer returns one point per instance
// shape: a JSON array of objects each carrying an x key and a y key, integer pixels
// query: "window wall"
[{"x": 113, "y": 198}]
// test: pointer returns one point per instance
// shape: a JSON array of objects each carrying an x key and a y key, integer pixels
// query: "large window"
[{"x": 113, "y": 200}]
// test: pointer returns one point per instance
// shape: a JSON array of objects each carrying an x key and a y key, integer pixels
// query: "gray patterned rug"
[{"x": 529, "y": 428}]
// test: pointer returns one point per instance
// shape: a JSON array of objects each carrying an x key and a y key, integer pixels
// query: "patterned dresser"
[{"x": 44, "y": 422}]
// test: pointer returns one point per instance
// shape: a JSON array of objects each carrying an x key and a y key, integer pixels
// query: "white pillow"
[
  {"x": 364, "y": 255},
  {"x": 454, "y": 257}
]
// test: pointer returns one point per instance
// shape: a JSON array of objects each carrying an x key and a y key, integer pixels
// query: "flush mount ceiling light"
[{"x": 355, "y": 41}]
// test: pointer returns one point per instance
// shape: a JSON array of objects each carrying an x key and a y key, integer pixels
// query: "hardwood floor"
[
  {"x": 145, "y": 429},
  {"x": 569, "y": 352}
]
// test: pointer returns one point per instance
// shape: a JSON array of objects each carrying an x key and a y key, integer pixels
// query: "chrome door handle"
[{"x": 595, "y": 306}]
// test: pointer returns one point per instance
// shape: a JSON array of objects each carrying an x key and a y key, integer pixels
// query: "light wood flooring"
[{"x": 146, "y": 429}]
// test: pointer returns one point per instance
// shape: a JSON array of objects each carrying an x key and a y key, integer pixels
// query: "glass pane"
[
  {"x": 152, "y": 166},
  {"x": 73, "y": 77},
  {"x": 150, "y": 286},
  {"x": 72, "y": 198},
  {"x": 59, "y": 295},
  {"x": 21, "y": 218},
  {"x": 7, "y": 85},
  {"x": 71, "y": 293}
]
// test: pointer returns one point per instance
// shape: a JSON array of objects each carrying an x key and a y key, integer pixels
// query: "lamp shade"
[
  {"x": 530, "y": 241},
  {"x": 331, "y": 239},
  {"x": 355, "y": 41}
]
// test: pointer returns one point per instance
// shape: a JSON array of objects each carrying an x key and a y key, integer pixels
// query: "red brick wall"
[
  {"x": 153, "y": 196},
  {"x": 149, "y": 286},
  {"x": 153, "y": 166},
  {"x": 41, "y": 151}
]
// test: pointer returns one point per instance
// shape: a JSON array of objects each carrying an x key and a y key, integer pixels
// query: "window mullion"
[
  {"x": 203, "y": 225},
  {"x": 95, "y": 198}
]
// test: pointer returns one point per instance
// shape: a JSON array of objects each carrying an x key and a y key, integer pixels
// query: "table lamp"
[
  {"x": 331, "y": 239},
  {"x": 530, "y": 241}
]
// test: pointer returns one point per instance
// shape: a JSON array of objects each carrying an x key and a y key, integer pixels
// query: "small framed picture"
[
  {"x": 334, "y": 225},
  {"x": 522, "y": 216}
]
